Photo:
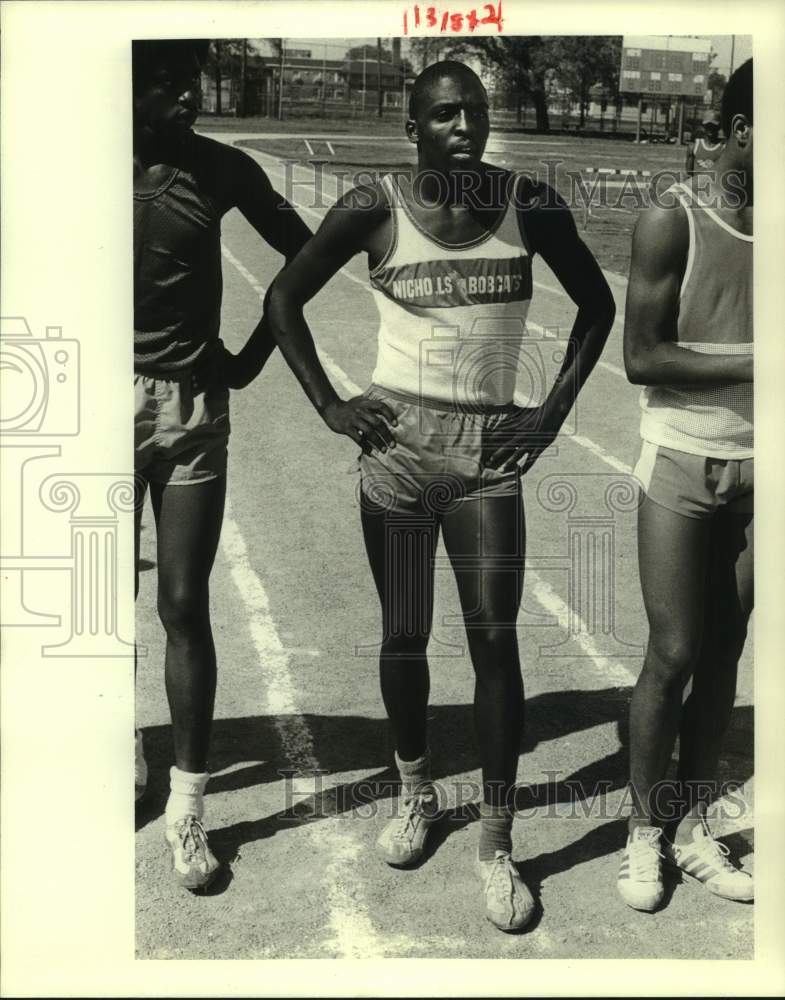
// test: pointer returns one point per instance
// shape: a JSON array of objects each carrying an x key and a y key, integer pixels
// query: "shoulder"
[
  {"x": 230, "y": 162},
  {"x": 661, "y": 237},
  {"x": 543, "y": 215},
  {"x": 369, "y": 201}
]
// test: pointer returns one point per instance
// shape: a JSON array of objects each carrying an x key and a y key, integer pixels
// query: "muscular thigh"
[
  {"x": 486, "y": 543},
  {"x": 188, "y": 525},
  {"x": 673, "y": 554}
]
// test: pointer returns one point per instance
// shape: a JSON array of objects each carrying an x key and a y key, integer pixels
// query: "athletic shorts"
[
  {"x": 437, "y": 459},
  {"x": 694, "y": 485},
  {"x": 180, "y": 436}
]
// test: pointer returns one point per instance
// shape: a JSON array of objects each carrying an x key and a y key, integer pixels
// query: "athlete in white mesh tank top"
[
  {"x": 449, "y": 253},
  {"x": 688, "y": 341}
]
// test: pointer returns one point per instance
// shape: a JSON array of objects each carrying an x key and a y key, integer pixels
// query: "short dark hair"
[
  {"x": 148, "y": 53},
  {"x": 737, "y": 98},
  {"x": 447, "y": 68}
]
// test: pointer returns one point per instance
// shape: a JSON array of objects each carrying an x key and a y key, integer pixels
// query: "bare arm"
[
  {"x": 345, "y": 232},
  {"x": 551, "y": 232},
  {"x": 651, "y": 354},
  {"x": 247, "y": 187}
]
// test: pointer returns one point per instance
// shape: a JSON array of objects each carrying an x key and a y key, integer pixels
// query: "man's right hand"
[{"x": 368, "y": 422}]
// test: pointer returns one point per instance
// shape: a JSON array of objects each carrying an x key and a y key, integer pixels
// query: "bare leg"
[
  {"x": 707, "y": 711},
  {"x": 188, "y": 521},
  {"x": 672, "y": 558}
]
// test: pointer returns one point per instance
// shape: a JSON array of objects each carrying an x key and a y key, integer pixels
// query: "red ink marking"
[
  {"x": 430, "y": 17},
  {"x": 473, "y": 20},
  {"x": 456, "y": 22},
  {"x": 416, "y": 16},
  {"x": 445, "y": 17},
  {"x": 494, "y": 15},
  {"x": 405, "y": 23}
]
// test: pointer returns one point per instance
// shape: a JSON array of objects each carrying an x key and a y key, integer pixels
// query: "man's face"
[
  {"x": 712, "y": 131},
  {"x": 169, "y": 97},
  {"x": 452, "y": 126}
]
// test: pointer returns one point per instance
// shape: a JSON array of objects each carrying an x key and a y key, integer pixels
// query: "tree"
[
  {"x": 716, "y": 84},
  {"x": 579, "y": 62},
  {"x": 523, "y": 61}
]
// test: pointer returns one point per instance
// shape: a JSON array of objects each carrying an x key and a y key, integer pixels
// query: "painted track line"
[{"x": 353, "y": 933}]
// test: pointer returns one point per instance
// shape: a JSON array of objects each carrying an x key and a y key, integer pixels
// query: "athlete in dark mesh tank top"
[{"x": 183, "y": 185}]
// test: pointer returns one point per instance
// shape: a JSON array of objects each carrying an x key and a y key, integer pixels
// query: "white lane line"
[
  {"x": 260, "y": 290},
  {"x": 607, "y": 365},
  {"x": 353, "y": 932}
]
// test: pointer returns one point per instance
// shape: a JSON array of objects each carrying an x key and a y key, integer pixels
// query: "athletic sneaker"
[
  {"x": 140, "y": 768},
  {"x": 508, "y": 903},
  {"x": 640, "y": 876},
  {"x": 193, "y": 863},
  {"x": 706, "y": 860},
  {"x": 402, "y": 841}
]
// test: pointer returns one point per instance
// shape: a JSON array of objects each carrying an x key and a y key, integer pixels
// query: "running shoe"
[
  {"x": 193, "y": 863},
  {"x": 402, "y": 842},
  {"x": 508, "y": 903},
  {"x": 706, "y": 860},
  {"x": 640, "y": 876},
  {"x": 140, "y": 768}
]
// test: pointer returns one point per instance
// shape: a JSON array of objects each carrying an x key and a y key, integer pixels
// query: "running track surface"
[{"x": 296, "y": 621}]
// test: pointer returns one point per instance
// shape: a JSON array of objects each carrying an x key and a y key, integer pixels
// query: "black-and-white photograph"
[
  {"x": 443, "y": 460},
  {"x": 378, "y": 420}
]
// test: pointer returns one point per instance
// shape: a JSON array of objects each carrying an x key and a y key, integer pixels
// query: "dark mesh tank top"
[{"x": 177, "y": 264}]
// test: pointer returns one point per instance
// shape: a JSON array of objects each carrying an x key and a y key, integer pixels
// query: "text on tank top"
[
  {"x": 715, "y": 317},
  {"x": 452, "y": 317},
  {"x": 706, "y": 154}
]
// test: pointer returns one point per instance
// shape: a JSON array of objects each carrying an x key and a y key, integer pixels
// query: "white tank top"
[
  {"x": 716, "y": 295},
  {"x": 452, "y": 316}
]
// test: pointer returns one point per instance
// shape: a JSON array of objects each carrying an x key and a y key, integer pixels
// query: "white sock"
[{"x": 186, "y": 795}]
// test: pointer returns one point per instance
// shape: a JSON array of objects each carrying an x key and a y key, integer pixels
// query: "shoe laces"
[
  {"x": 500, "y": 878},
  {"x": 644, "y": 855},
  {"x": 411, "y": 814},
  {"x": 193, "y": 839},
  {"x": 711, "y": 850}
]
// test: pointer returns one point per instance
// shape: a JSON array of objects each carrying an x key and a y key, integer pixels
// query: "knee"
[
  {"x": 493, "y": 646},
  {"x": 672, "y": 657},
  {"x": 401, "y": 645},
  {"x": 184, "y": 612}
]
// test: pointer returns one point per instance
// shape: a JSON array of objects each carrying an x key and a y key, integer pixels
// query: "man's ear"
[
  {"x": 411, "y": 131},
  {"x": 741, "y": 130}
]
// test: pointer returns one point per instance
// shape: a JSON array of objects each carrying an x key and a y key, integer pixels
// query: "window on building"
[
  {"x": 699, "y": 78},
  {"x": 655, "y": 84},
  {"x": 674, "y": 77},
  {"x": 655, "y": 76},
  {"x": 658, "y": 60},
  {"x": 631, "y": 74}
]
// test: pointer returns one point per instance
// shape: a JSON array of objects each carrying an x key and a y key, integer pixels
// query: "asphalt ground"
[{"x": 301, "y": 752}]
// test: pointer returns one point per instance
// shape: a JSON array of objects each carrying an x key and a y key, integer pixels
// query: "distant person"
[
  {"x": 705, "y": 151},
  {"x": 183, "y": 186},
  {"x": 443, "y": 446},
  {"x": 688, "y": 340}
]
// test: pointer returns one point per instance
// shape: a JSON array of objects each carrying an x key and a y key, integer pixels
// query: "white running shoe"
[
  {"x": 140, "y": 767},
  {"x": 402, "y": 842},
  {"x": 508, "y": 903},
  {"x": 640, "y": 875},
  {"x": 706, "y": 860},
  {"x": 193, "y": 863}
]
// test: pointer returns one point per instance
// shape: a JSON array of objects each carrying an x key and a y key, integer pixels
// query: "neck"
[
  {"x": 454, "y": 188},
  {"x": 733, "y": 182},
  {"x": 149, "y": 148}
]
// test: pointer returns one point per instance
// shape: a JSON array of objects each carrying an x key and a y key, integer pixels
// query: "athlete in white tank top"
[{"x": 452, "y": 316}]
